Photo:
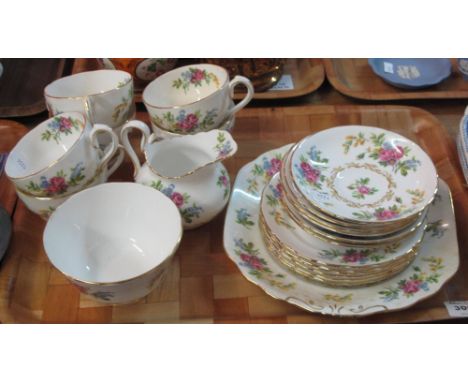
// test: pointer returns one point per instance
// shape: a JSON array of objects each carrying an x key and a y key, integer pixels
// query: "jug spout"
[{"x": 181, "y": 156}]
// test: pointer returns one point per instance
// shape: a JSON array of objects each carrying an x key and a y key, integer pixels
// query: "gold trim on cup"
[
  {"x": 96, "y": 175},
  {"x": 64, "y": 155},
  {"x": 125, "y": 83},
  {"x": 226, "y": 83}
]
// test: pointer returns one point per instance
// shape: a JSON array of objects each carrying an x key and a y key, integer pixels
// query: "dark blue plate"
[
  {"x": 5, "y": 231},
  {"x": 410, "y": 73}
]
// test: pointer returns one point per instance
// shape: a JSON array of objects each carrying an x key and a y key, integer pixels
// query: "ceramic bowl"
[
  {"x": 193, "y": 98},
  {"x": 114, "y": 241},
  {"x": 412, "y": 72},
  {"x": 363, "y": 174},
  {"x": 105, "y": 96},
  {"x": 59, "y": 156}
]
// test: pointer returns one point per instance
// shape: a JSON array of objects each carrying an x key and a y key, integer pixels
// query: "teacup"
[
  {"x": 193, "y": 98},
  {"x": 59, "y": 156},
  {"x": 105, "y": 96},
  {"x": 115, "y": 241},
  {"x": 44, "y": 206}
]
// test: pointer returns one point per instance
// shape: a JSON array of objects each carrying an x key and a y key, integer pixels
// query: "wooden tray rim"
[{"x": 383, "y": 96}]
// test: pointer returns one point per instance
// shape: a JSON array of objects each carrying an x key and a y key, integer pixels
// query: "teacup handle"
[
  {"x": 110, "y": 149},
  {"x": 248, "y": 97},
  {"x": 117, "y": 161},
  {"x": 145, "y": 135}
]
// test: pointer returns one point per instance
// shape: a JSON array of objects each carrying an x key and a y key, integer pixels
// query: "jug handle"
[{"x": 145, "y": 134}]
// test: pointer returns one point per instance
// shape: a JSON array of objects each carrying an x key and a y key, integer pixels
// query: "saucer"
[
  {"x": 312, "y": 248},
  {"x": 227, "y": 125},
  {"x": 436, "y": 263},
  {"x": 409, "y": 73},
  {"x": 363, "y": 174}
]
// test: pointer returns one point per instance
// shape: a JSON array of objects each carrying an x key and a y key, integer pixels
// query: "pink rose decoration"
[
  {"x": 353, "y": 257},
  {"x": 177, "y": 198},
  {"x": 391, "y": 156},
  {"x": 411, "y": 286},
  {"x": 223, "y": 180},
  {"x": 57, "y": 185},
  {"x": 275, "y": 166},
  {"x": 197, "y": 76},
  {"x": 65, "y": 124},
  {"x": 252, "y": 261},
  {"x": 363, "y": 190},
  {"x": 311, "y": 174},
  {"x": 279, "y": 189},
  {"x": 189, "y": 122},
  {"x": 385, "y": 214}
]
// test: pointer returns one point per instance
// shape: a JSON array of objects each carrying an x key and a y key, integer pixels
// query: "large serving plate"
[
  {"x": 436, "y": 263},
  {"x": 363, "y": 174}
]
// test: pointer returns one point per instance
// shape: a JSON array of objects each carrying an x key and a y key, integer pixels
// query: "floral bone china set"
[
  {"x": 342, "y": 222},
  {"x": 119, "y": 251}
]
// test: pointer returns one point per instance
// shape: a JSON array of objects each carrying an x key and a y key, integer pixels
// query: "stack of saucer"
[{"x": 349, "y": 205}]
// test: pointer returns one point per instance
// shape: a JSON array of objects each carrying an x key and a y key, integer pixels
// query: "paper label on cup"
[
  {"x": 388, "y": 67},
  {"x": 3, "y": 158},
  {"x": 285, "y": 83},
  {"x": 457, "y": 308}
]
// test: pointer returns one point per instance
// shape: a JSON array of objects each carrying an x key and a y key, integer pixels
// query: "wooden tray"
[
  {"x": 355, "y": 78},
  {"x": 204, "y": 284},
  {"x": 22, "y": 84},
  {"x": 307, "y": 75}
]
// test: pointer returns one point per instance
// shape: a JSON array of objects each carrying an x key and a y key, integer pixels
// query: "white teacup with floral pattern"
[
  {"x": 59, "y": 156},
  {"x": 194, "y": 98},
  {"x": 187, "y": 169},
  {"x": 105, "y": 96},
  {"x": 45, "y": 206}
]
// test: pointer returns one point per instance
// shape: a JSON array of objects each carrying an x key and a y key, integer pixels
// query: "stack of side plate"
[{"x": 349, "y": 205}]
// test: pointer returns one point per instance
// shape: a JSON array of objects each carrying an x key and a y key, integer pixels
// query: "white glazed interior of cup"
[
  {"x": 112, "y": 233},
  {"x": 33, "y": 153},
  {"x": 87, "y": 83},
  {"x": 185, "y": 85}
]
